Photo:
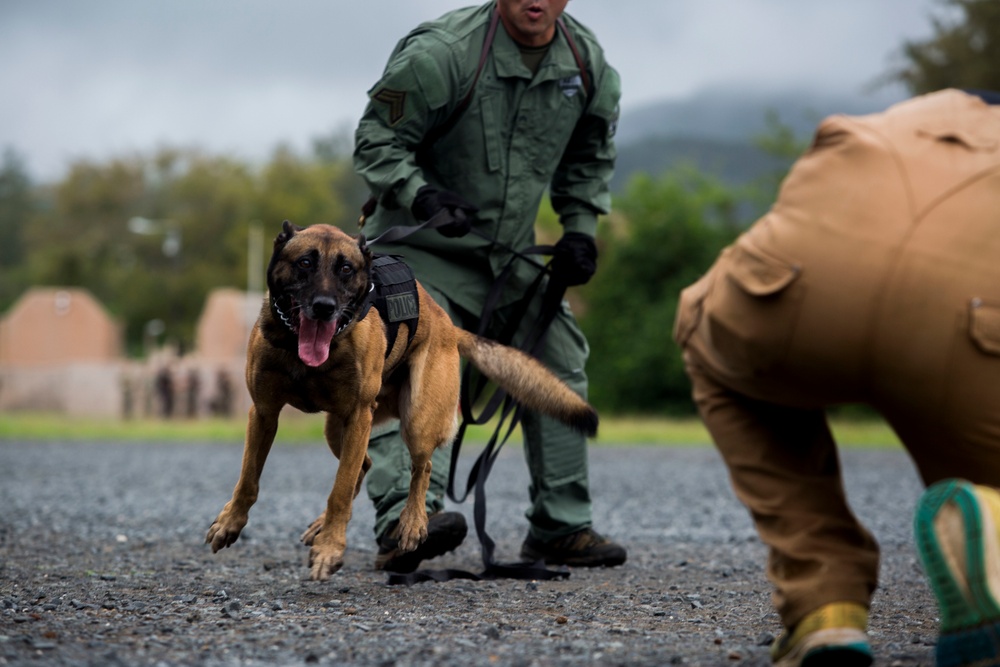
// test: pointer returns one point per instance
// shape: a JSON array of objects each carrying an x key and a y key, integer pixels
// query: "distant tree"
[
  {"x": 663, "y": 235},
  {"x": 780, "y": 141},
  {"x": 197, "y": 210},
  {"x": 198, "y": 213},
  {"x": 302, "y": 190},
  {"x": 337, "y": 146},
  {"x": 963, "y": 52},
  {"x": 17, "y": 205}
]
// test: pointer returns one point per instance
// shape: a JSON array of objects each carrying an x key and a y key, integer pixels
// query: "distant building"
[
  {"x": 60, "y": 351},
  {"x": 225, "y": 323},
  {"x": 50, "y": 325},
  {"x": 220, "y": 350}
]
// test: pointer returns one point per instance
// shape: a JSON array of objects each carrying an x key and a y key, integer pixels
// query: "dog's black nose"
[{"x": 323, "y": 308}]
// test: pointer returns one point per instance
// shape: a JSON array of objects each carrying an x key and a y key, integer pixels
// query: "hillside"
[
  {"x": 732, "y": 162},
  {"x": 714, "y": 130}
]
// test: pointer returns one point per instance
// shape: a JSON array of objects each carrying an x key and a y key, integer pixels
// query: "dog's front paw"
[
  {"x": 312, "y": 531},
  {"x": 324, "y": 562},
  {"x": 225, "y": 530}
]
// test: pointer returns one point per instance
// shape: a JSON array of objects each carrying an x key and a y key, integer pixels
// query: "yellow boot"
[{"x": 832, "y": 636}]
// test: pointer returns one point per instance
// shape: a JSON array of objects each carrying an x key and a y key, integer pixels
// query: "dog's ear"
[
  {"x": 288, "y": 230},
  {"x": 365, "y": 250}
]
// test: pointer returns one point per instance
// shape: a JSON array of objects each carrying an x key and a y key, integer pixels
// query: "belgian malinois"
[{"x": 311, "y": 349}]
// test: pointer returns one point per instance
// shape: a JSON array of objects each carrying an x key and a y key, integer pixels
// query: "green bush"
[{"x": 665, "y": 233}]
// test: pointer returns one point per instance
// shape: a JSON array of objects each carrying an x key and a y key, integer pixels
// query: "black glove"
[
  {"x": 575, "y": 259},
  {"x": 457, "y": 212}
]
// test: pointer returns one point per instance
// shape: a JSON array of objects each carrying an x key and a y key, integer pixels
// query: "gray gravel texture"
[{"x": 102, "y": 562}]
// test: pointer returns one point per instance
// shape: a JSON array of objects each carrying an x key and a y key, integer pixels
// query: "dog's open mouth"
[
  {"x": 314, "y": 335},
  {"x": 314, "y": 339}
]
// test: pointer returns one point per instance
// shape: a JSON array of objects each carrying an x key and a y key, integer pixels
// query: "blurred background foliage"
[
  {"x": 962, "y": 51},
  {"x": 664, "y": 233},
  {"x": 196, "y": 213}
]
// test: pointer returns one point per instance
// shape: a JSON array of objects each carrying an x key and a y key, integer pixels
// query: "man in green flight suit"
[{"x": 476, "y": 115}]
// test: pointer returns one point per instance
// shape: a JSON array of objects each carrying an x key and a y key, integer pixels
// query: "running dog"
[{"x": 318, "y": 345}]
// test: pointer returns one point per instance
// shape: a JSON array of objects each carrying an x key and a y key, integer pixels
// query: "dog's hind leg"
[
  {"x": 261, "y": 428},
  {"x": 334, "y": 432},
  {"x": 428, "y": 420}
]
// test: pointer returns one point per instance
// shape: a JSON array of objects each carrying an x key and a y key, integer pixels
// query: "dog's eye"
[
  {"x": 346, "y": 270},
  {"x": 305, "y": 263}
]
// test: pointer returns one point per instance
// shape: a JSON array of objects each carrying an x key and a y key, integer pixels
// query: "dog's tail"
[{"x": 527, "y": 380}]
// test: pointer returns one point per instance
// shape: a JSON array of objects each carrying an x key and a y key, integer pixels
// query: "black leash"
[{"x": 473, "y": 386}]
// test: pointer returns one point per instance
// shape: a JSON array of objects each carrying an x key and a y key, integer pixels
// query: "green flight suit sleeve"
[
  {"x": 580, "y": 188},
  {"x": 409, "y": 99}
]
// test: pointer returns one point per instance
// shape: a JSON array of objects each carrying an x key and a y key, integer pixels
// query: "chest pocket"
[{"x": 551, "y": 124}]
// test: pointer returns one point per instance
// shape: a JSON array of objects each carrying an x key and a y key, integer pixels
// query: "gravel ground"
[{"x": 102, "y": 562}]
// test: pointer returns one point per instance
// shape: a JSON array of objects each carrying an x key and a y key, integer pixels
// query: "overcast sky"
[{"x": 95, "y": 78}]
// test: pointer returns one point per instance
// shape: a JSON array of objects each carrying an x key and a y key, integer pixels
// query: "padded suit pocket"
[{"x": 752, "y": 309}]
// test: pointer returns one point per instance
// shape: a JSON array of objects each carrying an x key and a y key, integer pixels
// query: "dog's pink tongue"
[{"x": 314, "y": 340}]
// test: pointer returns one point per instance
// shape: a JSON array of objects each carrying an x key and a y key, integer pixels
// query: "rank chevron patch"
[{"x": 395, "y": 99}]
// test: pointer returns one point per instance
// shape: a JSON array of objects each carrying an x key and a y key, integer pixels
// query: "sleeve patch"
[
  {"x": 606, "y": 101},
  {"x": 395, "y": 99}
]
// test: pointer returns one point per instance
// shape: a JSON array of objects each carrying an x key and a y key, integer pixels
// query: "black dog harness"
[{"x": 394, "y": 296}]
